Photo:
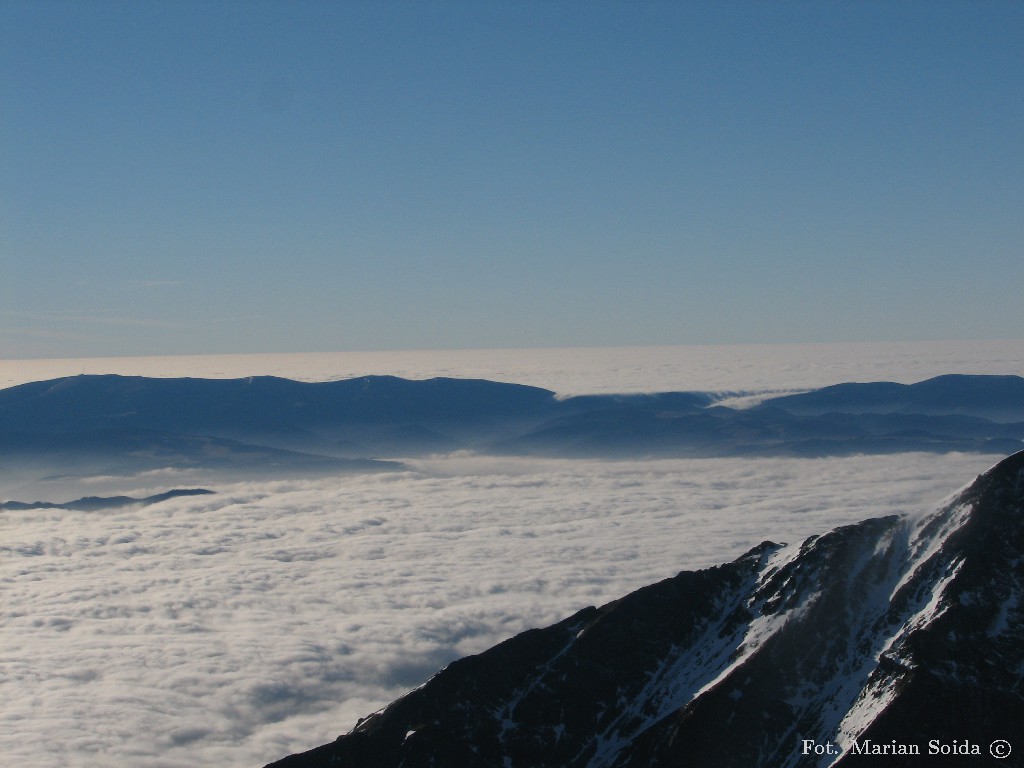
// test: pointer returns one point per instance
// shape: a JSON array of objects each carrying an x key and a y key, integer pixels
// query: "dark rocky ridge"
[{"x": 898, "y": 628}]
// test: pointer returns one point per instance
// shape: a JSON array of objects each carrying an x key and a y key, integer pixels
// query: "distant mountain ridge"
[
  {"x": 267, "y": 424},
  {"x": 94, "y": 503},
  {"x": 999, "y": 398},
  {"x": 898, "y": 641},
  {"x": 102, "y": 402}
]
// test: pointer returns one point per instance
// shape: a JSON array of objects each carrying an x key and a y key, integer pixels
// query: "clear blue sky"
[{"x": 221, "y": 177}]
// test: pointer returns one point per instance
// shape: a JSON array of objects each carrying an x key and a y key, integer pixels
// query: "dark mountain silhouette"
[
  {"x": 947, "y": 413},
  {"x": 355, "y": 419},
  {"x": 128, "y": 451},
  {"x": 262, "y": 403},
  {"x": 765, "y": 431},
  {"x": 898, "y": 633},
  {"x": 95, "y": 503},
  {"x": 125, "y": 424},
  {"x": 999, "y": 398}
]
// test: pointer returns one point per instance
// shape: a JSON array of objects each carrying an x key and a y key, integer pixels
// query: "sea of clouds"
[{"x": 236, "y": 628}]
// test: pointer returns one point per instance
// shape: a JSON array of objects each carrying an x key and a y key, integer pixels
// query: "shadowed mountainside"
[
  {"x": 123, "y": 424},
  {"x": 255, "y": 423},
  {"x": 999, "y": 398}
]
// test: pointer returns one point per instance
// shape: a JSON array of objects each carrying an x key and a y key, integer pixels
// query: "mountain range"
[
  {"x": 897, "y": 641},
  {"x": 97, "y": 503},
  {"x": 271, "y": 426}
]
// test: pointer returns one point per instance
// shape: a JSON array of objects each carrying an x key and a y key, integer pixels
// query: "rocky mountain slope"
[{"x": 895, "y": 641}]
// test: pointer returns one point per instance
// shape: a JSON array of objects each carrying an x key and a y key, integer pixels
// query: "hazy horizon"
[{"x": 583, "y": 370}]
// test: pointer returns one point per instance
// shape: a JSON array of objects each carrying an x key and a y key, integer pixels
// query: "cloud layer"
[{"x": 236, "y": 628}]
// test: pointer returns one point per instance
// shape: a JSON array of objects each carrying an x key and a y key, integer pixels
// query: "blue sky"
[{"x": 222, "y": 177}]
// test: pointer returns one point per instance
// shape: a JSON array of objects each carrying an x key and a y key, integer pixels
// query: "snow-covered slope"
[{"x": 894, "y": 634}]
